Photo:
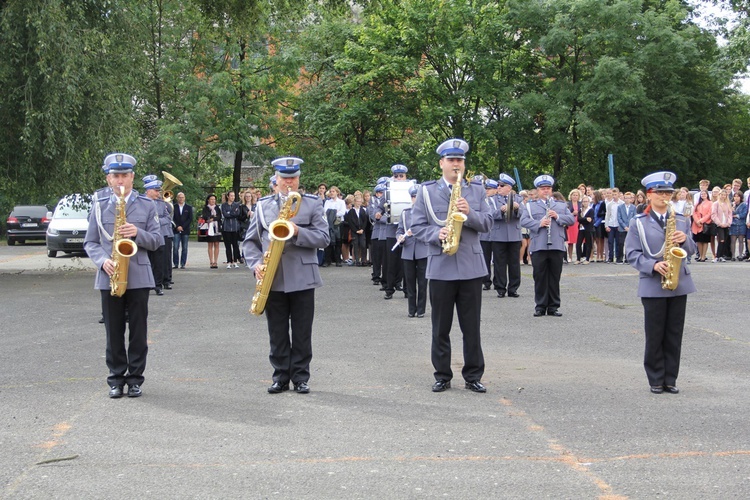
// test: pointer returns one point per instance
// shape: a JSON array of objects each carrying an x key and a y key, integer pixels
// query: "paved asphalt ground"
[{"x": 567, "y": 414}]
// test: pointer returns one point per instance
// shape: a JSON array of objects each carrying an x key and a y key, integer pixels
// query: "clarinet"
[{"x": 549, "y": 228}]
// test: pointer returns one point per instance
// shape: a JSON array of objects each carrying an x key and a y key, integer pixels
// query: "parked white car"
[{"x": 67, "y": 229}]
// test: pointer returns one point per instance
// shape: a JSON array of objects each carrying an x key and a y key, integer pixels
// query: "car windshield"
[
  {"x": 30, "y": 211},
  {"x": 72, "y": 208}
]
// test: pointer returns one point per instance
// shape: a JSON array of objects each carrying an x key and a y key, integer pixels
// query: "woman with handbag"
[{"x": 212, "y": 216}]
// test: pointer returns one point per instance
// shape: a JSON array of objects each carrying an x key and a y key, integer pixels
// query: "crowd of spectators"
[{"x": 719, "y": 217}]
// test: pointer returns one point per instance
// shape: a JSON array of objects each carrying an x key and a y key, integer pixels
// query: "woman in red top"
[
  {"x": 574, "y": 206},
  {"x": 701, "y": 219}
]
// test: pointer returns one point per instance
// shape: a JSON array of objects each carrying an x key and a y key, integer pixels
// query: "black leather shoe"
[
  {"x": 420, "y": 315},
  {"x": 338, "y": 264},
  {"x": 134, "y": 391},
  {"x": 115, "y": 391},
  {"x": 657, "y": 389},
  {"x": 167, "y": 286},
  {"x": 671, "y": 389},
  {"x": 554, "y": 312},
  {"x": 376, "y": 282},
  {"x": 159, "y": 291},
  {"x": 513, "y": 294},
  {"x": 381, "y": 289},
  {"x": 411, "y": 315},
  {"x": 399, "y": 288},
  {"x": 101, "y": 320},
  {"x": 539, "y": 312},
  {"x": 278, "y": 387},
  {"x": 486, "y": 286},
  {"x": 475, "y": 386},
  {"x": 441, "y": 385},
  {"x": 388, "y": 295},
  {"x": 301, "y": 388},
  {"x": 500, "y": 294}
]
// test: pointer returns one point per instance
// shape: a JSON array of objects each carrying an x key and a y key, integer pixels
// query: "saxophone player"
[
  {"x": 546, "y": 218},
  {"x": 126, "y": 366},
  {"x": 291, "y": 300},
  {"x": 663, "y": 309},
  {"x": 455, "y": 279}
]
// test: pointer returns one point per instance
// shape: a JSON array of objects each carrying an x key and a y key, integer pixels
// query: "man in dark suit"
[
  {"x": 183, "y": 220},
  {"x": 455, "y": 277}
]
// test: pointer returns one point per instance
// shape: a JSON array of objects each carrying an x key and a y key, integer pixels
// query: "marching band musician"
[
  {"x": 292, "y": 296},
  {"x": 506, "y": 239},
  {"x": 99, "y": 194},
  {"x": 663, "y": 309},
  {"x": 455, "y": 280},
  {"x": 490, "y": 189},
  {"x": 546, "y": 219},
  {"x": 380, "y": 228},
  {"x": 376, "y": 247},
  {"x": 142, "y": 226},
  {"x": 159, "y": 259},
  {"x": 394, "y": 271},
  {"x": 414, "y": 259}
]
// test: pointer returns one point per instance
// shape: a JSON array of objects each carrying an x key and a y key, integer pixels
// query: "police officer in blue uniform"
[
  {"x": 490, "y": 189},
  {"x": 381, "y": 223},
  {"x": 546, "y": 219},
  {"x": 663, "y": 309},
  {"x": 158, "y": 257},
  {"x": 414, "y": 259},
  {"x": 291, "y": 300},
  {"x": 99, "y": 194},
  {"x": 126, "y": 366},
  {"x": 455, "y": 280},
  {"x": 377, "y": 248},
  {"x": 394, "y": 270},
  {"x": 506, "y": 239}
]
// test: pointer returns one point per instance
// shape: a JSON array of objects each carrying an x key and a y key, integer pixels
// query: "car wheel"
[
  {"x": 11, "y": 242},
  {"x": 51, "y": 253}
]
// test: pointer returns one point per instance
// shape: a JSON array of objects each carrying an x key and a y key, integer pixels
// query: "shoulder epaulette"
[
  {"x": 308, "y": 195},
  {"x": 429, "y": 183},
  {"x": 100, "y": 200},
  {"x": 640, "y": 215},
  {"x": 476, "y": 183}
]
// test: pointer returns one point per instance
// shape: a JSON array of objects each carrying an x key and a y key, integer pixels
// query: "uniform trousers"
[
  {"x": 487, "y": 253},
  {"x": 664, "y": 319},
  {"x": 394, "y": 270},
  {"x": 416, "y": 285},
  {"x": 548, "y": 266},
  {"x": 290, "y": 356},
  {"x": 156, "y": 257},
  {"x": 167, "y": 260},
  {"x": 376, "y": 255},
  {"x": 466, "y": 296},
  {"x": 126, "y": 365},
  {"x": 507, "y": 265}
]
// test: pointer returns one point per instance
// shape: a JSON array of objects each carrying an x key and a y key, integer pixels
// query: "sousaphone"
[{"x": 170, "y": 181}]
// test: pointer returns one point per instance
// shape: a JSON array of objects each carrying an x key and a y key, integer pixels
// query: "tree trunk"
[{"x": 237, "y": 173}]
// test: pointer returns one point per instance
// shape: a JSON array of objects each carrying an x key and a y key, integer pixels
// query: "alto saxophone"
[
  {"x": 122, "y": 250},
  {"x": 279, "y": 231},
  {"x": 455, "y": 220},
  {"x": 673, "y": 255}
]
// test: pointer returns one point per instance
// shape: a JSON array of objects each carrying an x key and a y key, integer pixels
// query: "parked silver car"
[{"x": 67, "y": 229}]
